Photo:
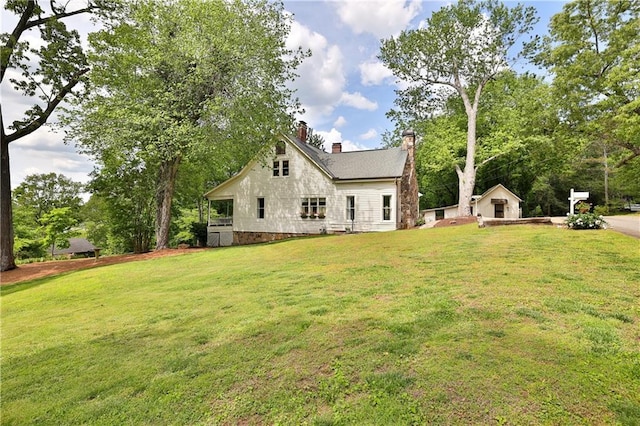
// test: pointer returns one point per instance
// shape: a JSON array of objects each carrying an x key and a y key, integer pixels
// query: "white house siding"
[
  {"x": 283, "y": 196},
  {"x": 449, "y": 213},
  {"x": 368, "y": 206},
  {"x": 487, "y": 209}
]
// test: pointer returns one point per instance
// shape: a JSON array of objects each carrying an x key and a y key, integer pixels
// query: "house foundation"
[{"x": 242, "y": 238}]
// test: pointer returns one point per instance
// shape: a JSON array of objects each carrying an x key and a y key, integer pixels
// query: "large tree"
[
  {"x": 517, "y": 124},
  {"x": 46, "y": 72},
  {"x": 593, "y": 53},
  {"x": 41, "y": 193},
  {"x": 176, "y": 80},
  {"x": 459, "y": 50}
]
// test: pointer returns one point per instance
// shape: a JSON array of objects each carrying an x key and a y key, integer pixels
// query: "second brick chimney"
[
  {"x": 336, "y": 148},
  {"x": 302, "y": 131}
]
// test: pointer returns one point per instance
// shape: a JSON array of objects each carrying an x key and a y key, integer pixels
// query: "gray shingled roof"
[
  {"x": 76, "y": 245},
  {"x": 372, "y": 164}
]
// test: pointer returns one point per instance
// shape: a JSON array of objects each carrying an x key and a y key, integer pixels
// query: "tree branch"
[
  {"x": 21, "y": 26},
  {"x": 635, "y": 153},
  {"x": 493, "y": 157},
  {"x": 51, "y": 106},
  {"x": 62, "y": 15}
]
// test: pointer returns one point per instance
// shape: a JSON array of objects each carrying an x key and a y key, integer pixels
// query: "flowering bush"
[{"x": 586, "y": 221}]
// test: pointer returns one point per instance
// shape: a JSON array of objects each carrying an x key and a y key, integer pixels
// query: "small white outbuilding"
[{"x": 497, "y": 202}]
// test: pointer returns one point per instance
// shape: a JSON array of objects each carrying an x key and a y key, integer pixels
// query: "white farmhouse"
[{"x": 302, "y": 190}]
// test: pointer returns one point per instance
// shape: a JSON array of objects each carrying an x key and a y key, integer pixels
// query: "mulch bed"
[{"x": 32, "y": 271}]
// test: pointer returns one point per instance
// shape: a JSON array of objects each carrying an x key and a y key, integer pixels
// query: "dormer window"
[{"x": 281, "y": 148}]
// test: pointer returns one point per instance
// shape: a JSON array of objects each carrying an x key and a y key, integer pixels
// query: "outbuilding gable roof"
[
  {"x": 493, "y": 188},
  {"x": 353, "y": 165}
]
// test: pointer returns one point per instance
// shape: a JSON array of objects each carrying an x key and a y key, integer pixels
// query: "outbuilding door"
[{"x": 499, "y": 211}]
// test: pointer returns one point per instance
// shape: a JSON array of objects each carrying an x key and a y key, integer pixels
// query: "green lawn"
[{"x": 506, "y": 325}]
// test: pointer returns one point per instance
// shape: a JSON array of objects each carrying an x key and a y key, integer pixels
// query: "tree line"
[
  {"x": 576, "y": 124},
  {"x": 171, "y": 98}
]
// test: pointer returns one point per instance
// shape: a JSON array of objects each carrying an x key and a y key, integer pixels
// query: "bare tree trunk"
[
  {"x": 467, "y": 177},
  {"x": 606, "y": 176},
  {"x": 7, "y": 260},
  {"x": 200, "y": 206},
  {"x": 164, "y": 197}
]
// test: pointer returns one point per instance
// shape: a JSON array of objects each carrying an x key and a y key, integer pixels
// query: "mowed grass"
[{"x": 508, "y": 325}]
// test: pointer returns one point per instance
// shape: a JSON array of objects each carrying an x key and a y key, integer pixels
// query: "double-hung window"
[
  {"x": 386, "y": 207},
  {"x": 280, "y": 168},
  {"x": 351, "y": 208},
  {"x": 260, "y": 213}
]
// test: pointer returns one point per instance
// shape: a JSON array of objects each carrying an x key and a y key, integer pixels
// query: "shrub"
[
  {"x": 601, "y": 210},
  {"x": 586, "y": 221},
  {"x": 199, "y": 232}
]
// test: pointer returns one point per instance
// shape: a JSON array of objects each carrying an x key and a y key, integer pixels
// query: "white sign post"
[{"x": 575, "y": 198}]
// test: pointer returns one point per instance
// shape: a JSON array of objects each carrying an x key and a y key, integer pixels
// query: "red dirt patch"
[{"x": 44, "y": 269}]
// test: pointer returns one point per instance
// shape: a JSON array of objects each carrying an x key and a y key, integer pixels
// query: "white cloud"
[
  {"x": 322, "y": 79},
  {"x": 357, "y": 100},
  {"x": 369, "y": 134},
  {"x": 340, "y": 122},
  {"x": 44, "y": 152},
  {"x": 380, "y": 18},
  {"x": 334, "y": 136},
  {"x": 373, "y": 73}
]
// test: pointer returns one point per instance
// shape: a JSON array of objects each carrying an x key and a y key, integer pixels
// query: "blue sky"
[{"x": 343, "y": 87}]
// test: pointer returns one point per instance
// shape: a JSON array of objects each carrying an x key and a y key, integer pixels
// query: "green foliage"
[
  {"x": 316, "y": 140},
  {"x": 199, "y": 231},
  {"x": 185, "y": 223},
  {"x": 124, "y": 189},
  {"x": 57, "y": 227},
  {"x": 583, "y": 207},
  {"x": 461, "y": 48},
  {"x": 47, "y": 69},
  {"x": 181, "y": 81},
  {"x": 40, "y": 193},
  {"x": 35, "y": 201},
  {"x": 28, "y": 241},
  {"x": 592, "y": 52}
]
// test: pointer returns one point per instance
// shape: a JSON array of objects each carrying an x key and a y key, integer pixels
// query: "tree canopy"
[
  {"x": 593, "y": 53},
  {"x": 41, "y": 193},
  {"x": 459, "y": 50},
  {"x": 178, "y": 81}
]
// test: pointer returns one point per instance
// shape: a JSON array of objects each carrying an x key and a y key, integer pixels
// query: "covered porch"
[{"x": 220, "y": 223}]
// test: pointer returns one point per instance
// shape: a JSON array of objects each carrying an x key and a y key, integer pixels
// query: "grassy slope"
[{"x": 513, "y": 325}]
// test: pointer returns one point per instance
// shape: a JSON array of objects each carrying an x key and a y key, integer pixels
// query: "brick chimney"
[
  {"x": 409, "y": 184},
  {"x": 408, "y": 141},
  {"x": 302, "y": 131},
  {"x": 336, "y": 148}
]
